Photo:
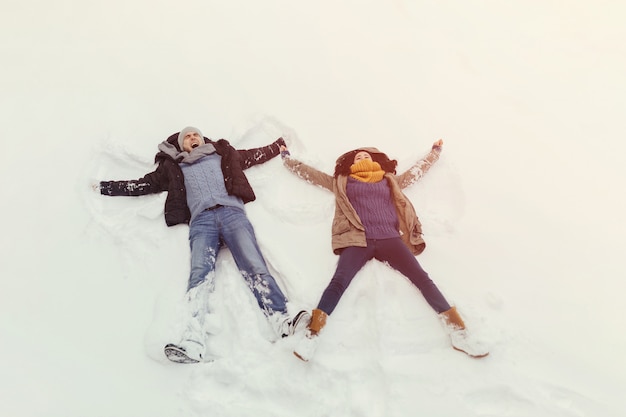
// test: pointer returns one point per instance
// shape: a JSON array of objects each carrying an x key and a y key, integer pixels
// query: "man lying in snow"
[{"x": 207, "y": 189}]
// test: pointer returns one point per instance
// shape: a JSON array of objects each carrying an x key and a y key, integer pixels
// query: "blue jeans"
[
  {"x": 230, "y": 226},
  {"x": 397, "y": 255}
]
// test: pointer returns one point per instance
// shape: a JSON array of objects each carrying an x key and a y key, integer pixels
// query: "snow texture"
[{"x": 523, "y": 213}]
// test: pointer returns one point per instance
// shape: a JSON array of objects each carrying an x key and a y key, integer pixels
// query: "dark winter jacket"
[{"x": 168, "y": 176}]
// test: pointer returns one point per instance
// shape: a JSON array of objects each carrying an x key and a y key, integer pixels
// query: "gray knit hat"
[{"x": 181, "y": 135}]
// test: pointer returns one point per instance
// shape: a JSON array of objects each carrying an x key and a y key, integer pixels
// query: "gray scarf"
[{"x": 184, "y": 156}]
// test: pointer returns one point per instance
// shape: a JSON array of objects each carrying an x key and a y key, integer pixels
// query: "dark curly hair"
[{"x": 345, "y": 161}]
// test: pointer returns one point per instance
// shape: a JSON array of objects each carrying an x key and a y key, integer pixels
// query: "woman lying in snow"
[{"x": 375, "y": 219}]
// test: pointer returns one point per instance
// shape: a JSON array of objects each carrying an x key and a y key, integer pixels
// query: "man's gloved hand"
[{"x": 284, "y": 152}]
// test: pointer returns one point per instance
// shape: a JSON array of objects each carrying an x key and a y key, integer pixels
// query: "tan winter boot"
[
  {"x": 318, "y": 321},
  {"x": 460, "y": 338},
  {"x": 308, "y": 344},
  {"x": 452, "y": 319}
]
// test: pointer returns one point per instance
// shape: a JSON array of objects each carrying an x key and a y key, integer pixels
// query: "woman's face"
[{"x": 361, "y": 156}]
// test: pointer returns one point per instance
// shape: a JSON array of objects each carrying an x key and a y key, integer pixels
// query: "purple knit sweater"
[{"x": 374, "y": 205}]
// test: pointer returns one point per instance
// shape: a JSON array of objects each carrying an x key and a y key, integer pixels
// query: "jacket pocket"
[
  {"x": 340, "y": 226},
  {"x": 416, "y": 231}
]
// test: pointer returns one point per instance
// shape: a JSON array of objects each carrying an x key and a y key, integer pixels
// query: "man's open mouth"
[{"x": 195, "y": 145}]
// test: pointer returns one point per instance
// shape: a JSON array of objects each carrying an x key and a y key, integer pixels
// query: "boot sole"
[
  {"x": 299, "y": 322},
  {"x": 470, "y": 355},
  {"x": 178, "y": 354}
]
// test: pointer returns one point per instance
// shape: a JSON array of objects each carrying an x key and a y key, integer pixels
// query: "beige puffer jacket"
[{"x": 347, "y": 229}]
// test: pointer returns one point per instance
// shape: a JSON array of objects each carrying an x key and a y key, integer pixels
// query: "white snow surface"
[{"x": 523, "y": 213}]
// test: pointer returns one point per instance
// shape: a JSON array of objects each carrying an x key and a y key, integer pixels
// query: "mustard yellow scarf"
[{"x": 367, "y": 170}]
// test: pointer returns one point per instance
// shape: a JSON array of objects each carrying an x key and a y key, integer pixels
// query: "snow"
[{"x": 523, "y": 213}]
